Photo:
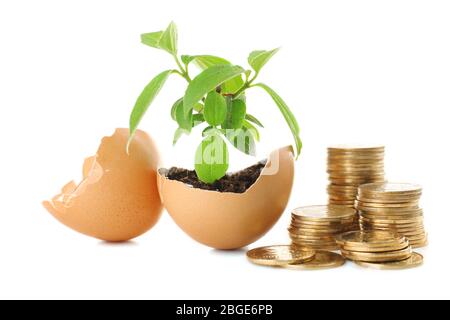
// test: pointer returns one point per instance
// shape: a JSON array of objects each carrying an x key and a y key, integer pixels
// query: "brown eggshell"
[
  {"x": 118, "y": 198},
  {"x": 231, "y": 220}
]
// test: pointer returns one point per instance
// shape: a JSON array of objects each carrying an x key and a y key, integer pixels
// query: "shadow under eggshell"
[
  {"x": 231, "y": 220},
  {"x": 117, "y": 199}
]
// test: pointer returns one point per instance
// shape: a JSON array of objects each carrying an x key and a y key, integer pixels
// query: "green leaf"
[
  {"x": 235, "y": 114},
  {"x": 252, "y": 129},
  {"x": 178, "y": 133},
  {"x": 242, "y": 139},
  {"x": 152, "y": 39},
  {"x": 169, "y": 39},
  {"x": 197, "y": 119},
  {"x": 215, "y": 108},
  {"x": 257, "y": 59},
  {"x": 144, "y": 100},
  {"x": 207, "y": 81},
  {"x": 253, "y": 119},
  {"x": 186, "y": 59},
  {"x": 184, "y": 121},
  {"x": 207, "y": 61},
  {"x": 173, "y": 110},
  {"x": 211, "y": 159},
  {"x": 199, "y": 107},
  {"x": 287, "y": 114},
  {"x": 242, "y": 97}
]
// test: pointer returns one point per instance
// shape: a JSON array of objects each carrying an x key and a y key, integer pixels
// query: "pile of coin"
[
  {"x": 392, "y": 207},
  {"x": 379, "y": 249},
  {"x": 316, "y": 227},
  {"x": 350, "y": 166},
  {"x": 295, "y": 257}
]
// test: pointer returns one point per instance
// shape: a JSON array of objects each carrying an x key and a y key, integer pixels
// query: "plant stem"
[
  {"x": 183, "y": 71},
  {"x": 247, "y": 85}
]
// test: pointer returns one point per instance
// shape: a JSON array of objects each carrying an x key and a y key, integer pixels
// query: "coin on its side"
[
  {"x": 280, "y": 255},
  {"x": 322, "y": 260},
  {"x": 414, "y": 261}
]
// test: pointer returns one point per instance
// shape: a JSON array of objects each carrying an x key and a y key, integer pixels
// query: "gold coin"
[
  {"x": 414, "y": 261},
  {"x": 354, "y": 152},
  {"x": 325, "y": 228},
  {"x": 349, "y": 188},
  {"x": 378, "y": 256},
  {"x": 356, "y": 147},
  {"x": 387, "y": 200},
  {"x": 351, "y": 174},
  {"x": 387, "y": 196},
  {"x": 389, "y": 211},
  {"x": 355, "y": 161},
  {"x": 382, "y": 216},
  {"x": 402, "y": 222},
  {"x": 341, "y": 203},
  {"x": 324, "y": 213},
  {"x": 333, "y": 219},
  {"x": 313, "y": 232},
  {"x": 331, "y": 242},
  {"x": 355, "y": 180},
  {"x": 279, "y": 255},
  {"x": 364, "y": 205},
  {"x": 317, "y": 246},
  {"x": 342, "y": 198},
  {"x": 419, "y": 244},
  {"x": 391, "y": 188},
  {"x": 322, "y": 260},
  {"x": 372, "y": 241},
  {"x": 330, "y": 226},
  {"x": 405, "y": 228},
  {"x": 354, "y": 166},
  {"x": 329, "y": 238},
  {"x": 343, "y": 193},
  {"x": 392, "y": 227},
  {"x": 375, "y": 249},
  {"x": 403, "y": 232},
  {"x": 315, "y": 243},
  {"x": 355, "y": 170},
  {"x": 359, "y": 237},
  {"x": 421, "y": 237}
]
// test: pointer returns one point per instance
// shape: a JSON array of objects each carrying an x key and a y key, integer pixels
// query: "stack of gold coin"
[
  {"x": 316, "y": 227},
  {"x": 374, "y": 247},
  {"x": 392, "y": 207},
  {"x": 351, "y": 166}
]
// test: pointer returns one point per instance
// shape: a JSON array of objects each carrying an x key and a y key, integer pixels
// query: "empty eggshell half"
[
  {"x": 231, "y": 220},
  {"x": 118, "y": 198}
]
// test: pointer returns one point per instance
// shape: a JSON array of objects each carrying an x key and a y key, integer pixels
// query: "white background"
[{"x": 352, "y": 71}]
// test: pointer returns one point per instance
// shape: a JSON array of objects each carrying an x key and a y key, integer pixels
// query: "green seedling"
[{"x": 214, "y": 98}]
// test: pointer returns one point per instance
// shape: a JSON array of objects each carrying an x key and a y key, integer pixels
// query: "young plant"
[{"x": 215, "y": 98}]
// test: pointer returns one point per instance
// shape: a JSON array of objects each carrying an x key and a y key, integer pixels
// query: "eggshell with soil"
[
  {"x": 118, "y": 198},
  {"x": 224, "y": 220}
]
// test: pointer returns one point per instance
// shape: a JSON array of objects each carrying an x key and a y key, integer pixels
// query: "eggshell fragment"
[
  {"x": 118, "y": 198},
  {"x": 231, "y": 220}
]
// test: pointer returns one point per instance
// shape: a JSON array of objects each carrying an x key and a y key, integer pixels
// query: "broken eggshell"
[
  {"x": 224, "y": 220},
  {"x": 117, "y": 199}
]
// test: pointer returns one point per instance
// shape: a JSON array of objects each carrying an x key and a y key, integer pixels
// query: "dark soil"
[{"x": 237, "y": 182}]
